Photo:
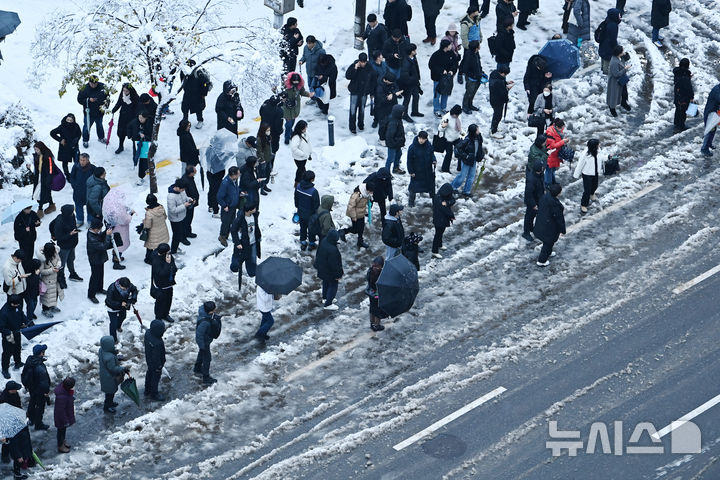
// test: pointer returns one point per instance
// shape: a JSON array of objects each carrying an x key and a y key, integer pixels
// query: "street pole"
[
  {"x": 331, "y": 130},
  {"x": 277, "y": 21},
  {"x": 359, "y": 28}
]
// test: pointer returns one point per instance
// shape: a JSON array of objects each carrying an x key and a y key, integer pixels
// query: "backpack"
[
  {"x": 215, "y": 327},
  {"x": 611, "y": 166},
  {"x": 27, "y": 377},
  {"x": 314, "y": 226},
  {"x": 600, "y": 31},
  {"x": 492, "y": 44}
]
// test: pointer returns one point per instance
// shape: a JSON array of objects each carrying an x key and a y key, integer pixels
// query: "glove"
[{"x": 460, "y": 79}]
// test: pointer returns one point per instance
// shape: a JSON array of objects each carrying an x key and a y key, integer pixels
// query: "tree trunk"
[{"x": 153, "y": 149}]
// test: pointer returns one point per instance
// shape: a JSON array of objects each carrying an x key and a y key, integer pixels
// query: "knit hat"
[
  {"x": 38, "y": 349},
  {"x": 452, "y": 27}
]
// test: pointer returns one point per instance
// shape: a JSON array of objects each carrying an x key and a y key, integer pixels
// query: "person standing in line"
[
  {"x": 140, "y": 131},
  {"x": 121, "y": 297},
  {"x": 555, "y": 135},
  {"x": 265, "y": 157},
  {"x": 443, "y": 217},
  {"x": 362, "y": 84},
  {"x": 499, "y": 88},
  {"x": 393, "y": 232},
  {"x": 154, "y": 358},
  {"x": 228, "y": 108},
  {"x": 192, "y": 192},
  {"x": 189, "y": 153},
  {"x": 271, "y": 112},
  {"x": 290, "y": 44},
  {"x": 79, "y": 175},
  {"x": 617, "y": 92},
  {"x": 608, "y": 38},
  {"x": 246, "y": 238},
  {"x": 92, "y": 97},
  {"x": 12, "y": 320},
  {"x": 128, "y": 102},
  {"x": 443, "y": 65},
  {"x": 393, "y": 51},
  {"x": 98, "y": 243},
  {"x": 380, "y": 183},
  {"x": 375, "y": 35},
  {"x": 543, "y": 109},
  {"x": 328, "y": 263},
  {"x": 177, "y": 205},
  {"x": 470, "y": 26},
  {"x": 228, "y": 197},
  {"x": 66, "y": 235},
  {"x": 711, "y": 105},
  {"x": 163, "y": 279},
  {"x": 196, "y": 86},
  {"x": 659, "y": 18},
  {"x": 421, "y": 167},
  {"x": 684, "y": 93},
  {"x": 64, "y": 413},
  {"x": 469, "y": 152},
  {"x": 376, "y": 314},
  {"x": 14, "y": 276},
  {"x": 409, "y": 82},
  {"x": 397, "y": 14},
  {"x": 301, "y": 149},
  {"x": 534, "y": 185},
  {"x": 96, "y": 187},
  {"x": 504, "y": 10},
  {"x": 32, "y": 290},
  {"x": 357, "y": 211},
  {"x": 294, "y": 89},
  {"x": 589, "y": 167},
  {"x": 536, "y": 78},
  {"x": 10, "y": 396},
  {"x": 265, "y": 305},
  {"x": 247, "y": 147},
  {"x": 207, "y": 329},
  {"x": 471, "y": 68},
  {"x": 21, "y": 452},
  {"x": 156, "y": 226},
  {"x": 431, "y": 10},
  {"x": 36, "y": 380},
  {"x": 44, "y": 171},
  {"x": 110, "y": 371},
  {"x": 312, "y": 51},
  {"x": 49, "y": 268},
  {"x": 505, "y": 44},
  {"x": 25, "y": 231},
  {"x": 395, "y": 139},
  {"x": 307, "y": 202},
  {"x": 550, "y": 223},
  {"x": 68, "y": 136},
  {"x": 118, "y": 214},
  {"x": 451, "y": 129},
  {"x": 386, "y": 97}
]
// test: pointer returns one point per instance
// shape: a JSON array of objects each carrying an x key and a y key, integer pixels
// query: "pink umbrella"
[{"x": 110, "y": 125}]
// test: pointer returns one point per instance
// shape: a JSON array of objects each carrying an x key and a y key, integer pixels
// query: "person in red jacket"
[{"x": 555, "y": 141}]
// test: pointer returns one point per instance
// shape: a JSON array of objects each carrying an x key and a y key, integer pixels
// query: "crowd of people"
[{"x": 388, "y": 72}]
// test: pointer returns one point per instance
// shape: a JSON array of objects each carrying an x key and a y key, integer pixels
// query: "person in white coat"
[
  {"x": 451, "y": 129},
  {"x": 265, "y": 304},
  {"x": 177, "y": 204},
  {"x": 300, "y": 148},
  {"x": 589, "y": 166}
]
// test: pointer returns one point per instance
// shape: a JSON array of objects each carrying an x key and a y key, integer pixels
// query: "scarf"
[
  {"x": 458, "y": 125},
  {"x": 127, "y": 99}
]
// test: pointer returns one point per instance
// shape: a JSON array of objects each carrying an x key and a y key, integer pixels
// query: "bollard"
[{"x": 331, "y": 130}]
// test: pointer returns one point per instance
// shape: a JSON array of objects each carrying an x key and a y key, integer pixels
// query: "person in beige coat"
[
  {"x": 357, "y": 211},
  {"x": 14, "y": 276},
  {"x": 155, "y": 222},
  {"x": 49, "y": 256}
]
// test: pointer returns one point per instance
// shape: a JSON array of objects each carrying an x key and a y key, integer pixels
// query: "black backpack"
[
  {"x": 492, "y": 44},
  {"x": 611, "y": 166},
  {"x": 600, "y": 31},
  {"x": 445, "y": 85},
  {"x": 314, "y": 227}
]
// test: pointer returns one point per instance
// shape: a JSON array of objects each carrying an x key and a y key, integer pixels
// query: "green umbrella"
[
  {"x": 37, "y": 460},
  {"x": 129, "y": 387}
]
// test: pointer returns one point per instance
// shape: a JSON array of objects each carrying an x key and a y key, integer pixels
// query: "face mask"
[{"x": 546, "y": 94}]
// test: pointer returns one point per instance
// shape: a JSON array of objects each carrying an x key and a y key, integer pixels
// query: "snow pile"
[{"x": 16, "y": 136}]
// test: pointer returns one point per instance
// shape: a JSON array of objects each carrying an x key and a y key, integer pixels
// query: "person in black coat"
[
  {"x": 393, "y": 232},
  {"x": 149, "y": 106},
  {"x": 36, "y": 380},
  {"x": 128, "y": 103},
  {"x": 10, "y": 396},
  {"x": 380, "y": 183},
  {"x": 409, "y": 83},
  {"x": 192, "y": 192},
  {"x": 537, "y": 76},
  {"x": 442, "y": 62},
  {"x": 550, "y": 223},
  {"x": 92, "y": 97},
  {"x": 431, "y": 10},
  {"x": 271, "y": 113},
  {"x": 12, "y": 320},
  {"x": 375, "y": 35},
  {"x": 386, "y": 97},
  {"x": 189, "y": 153},
  {"x": 395, "y": 139},
  {"x": 376, "y": 313},
  {"x": 328, "y": 263},
  {"x": 66, "y": 233},
  {"x": 504, "y": 10},
  {"x": 25, "y": 230},
  {"x": 291, "y": 41},
  {"x": 68, "y": 135},
  {"x": 307, "y": 202},
  {"x": 140, "y": 129},
  {"x": 154, "y": 358},
  {"x": 471, "y": 68},
  {"x": 163, "y": 280},
  {"x": 659, "y": 18},
  {"x": 525, "y": 7},
  {"x": 326, "y": 73},
  {"x": 534, "y": 189},
  {"x": 499, "y": 87},
  {"x": 443, "y": 216},
  {"x": 121, "y": 296},
  {"x": 246, "y": 237},
  {"x": 21, "y": 452},
  {"x": 228, "y": 108},
  {"x": 394, "y": 49},
  {"x": 397, "y": 14},
  {"x": 421, "y": 167},
  {"x": 249, "y": 183},
  {"x": 98, "y": 243},
  {"x": 505, "y": 43},
  {"x": 196, "y": 86},
  {"x": 362, "y": 83},
  {"x": 608, "y": 41},
  {"x": 684, "y": 93}
]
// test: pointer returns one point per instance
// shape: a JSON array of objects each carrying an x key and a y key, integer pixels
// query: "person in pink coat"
[{"x": 117, "y": 213}]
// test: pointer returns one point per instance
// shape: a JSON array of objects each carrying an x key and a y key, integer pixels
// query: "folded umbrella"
[
  {"x": 563, "y": 58},
  {"x": 37, "y": 460},
  {"x": 12, "y": 420},
  {"x": 278, "y": 275},
  {"x": 129, "y": 387},
  {"x": 110, "y": 127},
  {"x": 12, "y": 210},
  {"x": 397, "y": 286},
  {"x": 35, "y": 330}
]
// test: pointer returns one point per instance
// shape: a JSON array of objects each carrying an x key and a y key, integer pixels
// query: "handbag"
[
  {"x": 692, "y": 110},
  {"x": 623, "y": 80},
  {"x": 118, "y": 239},
  {"x": 143, "y": 149},
  {"x": 536, "y": 121},
  {"x": 144, "y": 235},
  {"x": 439, "y": 143},
  {"x": 58, "y": 181},
  {"x": 296, "y": 217},
  {"x": 43, "y": 288}
]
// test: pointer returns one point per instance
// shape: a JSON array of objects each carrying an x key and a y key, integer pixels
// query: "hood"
[
  {"x": 333, "y": 236},
  {"x": 107, "y": 344},
  {"x": 495, "y": 75},
  {"x": 228, "y": 85},
  {"x": 318, "y": 46},
  {"x": 71, "y": 115},
  {"x": 326, "y": 202},
  {"x": 614, "y": 15},
  {"x": 384, "y": 173},
  {"x": 289, "y": 76},
  {"x": 397, "y": 111},
  {"x": 157, "y": 327},
  {"x": 67, "y": 212},
  {"x": 171, "y": 188},
  {"x": 390, "y": 218},
  {"x": 202, "y": 314},
  {"x": 445, "y": 190},
  {"x": 35, "y": 360},
  {"x": 61, "y": 391},
  {"x": 680, "y": 72},
  {"x": 306, "y": 184}
]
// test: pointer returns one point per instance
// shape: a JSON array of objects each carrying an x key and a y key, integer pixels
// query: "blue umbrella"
[
  {"x": 35, "y": 330},
  {"x": 563, "y": 58},
  {"x": 9, "y": 214},
  {"x": 8, "y": 22}
]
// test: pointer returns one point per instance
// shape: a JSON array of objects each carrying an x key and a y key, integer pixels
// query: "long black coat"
[
  {"x": 409, "y": 75},
  {"x": 21, "y": 446},
  {"x": 441, "y": 61},
  {"x": 502, "y": 11},
  {"x": 328, "y": 260},
  {"x": 135, "y": 128},
  {"x": 443, "y": 215},
  {"x": 44, "y": 176},
  {"x": 196, "y": 87},
  {"x": 70, "y": 132},
  {"x": 395, "y": 133},
  {"x": 380, "y": 183},
  {"x": 393, "y": 232},
  {"x": 271, "y": 113},
  {"x": 97, "y": 246},
  {"x": 227, "y": 106},
  {"x": 383, "y": 106},
  {"x": 23, "y": 221},
  {"x": 240, "y": 233},
  {"x": 128, "y": 111},
  {"x": 505, "y": 46},
  {"x": 35, "y": 377},
  {"x": 471, "y": 65},
  {"x": 660, "y": 13},
  {"x": 609, "y": 41},
  {"x": 421, "y": 163},
  {"x": 498, "y": 89},
  {"x": 162, "y": 272},
  {"x": 189, "y": 152},
  {"x": 534, "y": 79},
  {"x": 362, "y": 80},
  {"x": 390, "y": 48},
  {"x": 154, "y": 345},
  {"x": 397, "y": 15},
  {"x": 534, "y": 188},
  {"x": 550, "y": 222},
  {"x": 372, "y": 277},
  {"x": 683, "y": 90},
  {"x": 65, "y": 224}
]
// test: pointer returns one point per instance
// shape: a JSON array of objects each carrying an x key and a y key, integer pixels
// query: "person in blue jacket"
[
  {"x": 228, "y": 197},
  {"x": 307, "y": 201},
  {"x": 207, "y": 329}
]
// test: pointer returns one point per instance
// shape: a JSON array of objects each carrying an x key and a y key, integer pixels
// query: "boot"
[
  {"x": 363, "y": 244},
  {"x": 120, "y": 149},
  {"x": 626, "y": 106},
  {"x": 40, "y": 213},
  {"x": 63, "y": 449},
  {"x": 613, "y": 112},
  {"x": 223, "y": 240},
  {"x": 118, "y": 266},
  {"x": 50, "y": 209}
]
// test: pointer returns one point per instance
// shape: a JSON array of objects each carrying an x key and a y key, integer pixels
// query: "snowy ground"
[{"x": 272, "y": 417}]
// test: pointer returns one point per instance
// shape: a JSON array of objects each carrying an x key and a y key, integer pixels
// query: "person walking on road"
[
  {"x": 154, "y": 358},
  {"x": 550, "y": 223},
  {"x": 328, "y": 263},
  {"x": 534, "y": 184},
  {"x": 111, "y": 373},
  {"x": 376, "y": 314},
  {"x": 207, "y": 329}
]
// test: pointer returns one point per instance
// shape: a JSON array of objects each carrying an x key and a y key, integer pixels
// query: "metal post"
[
  {"x": 359, "y": 23},
  {"x": 331, "y": 130},
  {"x": 278, "y": 21}
]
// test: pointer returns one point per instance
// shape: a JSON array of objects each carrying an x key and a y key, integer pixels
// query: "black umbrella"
[
  {"x": 278, "y": 275},
  {"x": 8, "y": 22},
  {"x": 397, "y": 286}
]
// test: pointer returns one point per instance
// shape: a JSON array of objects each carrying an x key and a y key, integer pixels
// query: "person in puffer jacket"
[
  {"x": 555, "y": 141},
  {"x": 177, "y": 204}
]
